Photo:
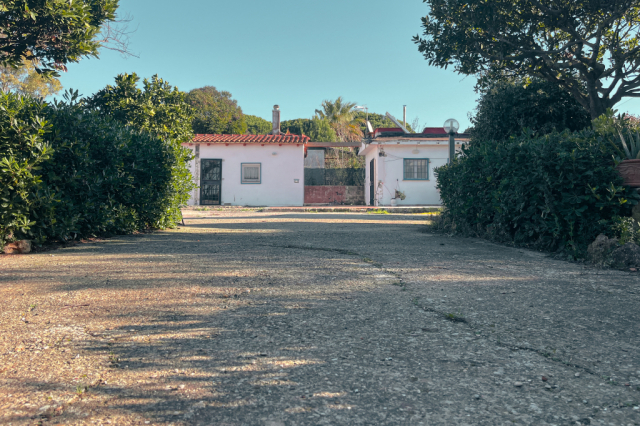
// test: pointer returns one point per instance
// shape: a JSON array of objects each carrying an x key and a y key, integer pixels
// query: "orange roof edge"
[{"x": 251, "y": 139}]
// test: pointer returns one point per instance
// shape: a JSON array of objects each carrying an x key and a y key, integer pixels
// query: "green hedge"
[
  {"x": 556, "y": 192},
  {"x": 22, "y": 150},
  {"x": 103, "y": 177},
  {"x": 69, "y": 171}
]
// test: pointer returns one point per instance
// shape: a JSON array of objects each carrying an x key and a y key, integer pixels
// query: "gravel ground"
[{"x": 274, "y": 319}]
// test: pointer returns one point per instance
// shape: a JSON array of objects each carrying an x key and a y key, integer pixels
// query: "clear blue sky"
[{"x": 294, "y": 53}]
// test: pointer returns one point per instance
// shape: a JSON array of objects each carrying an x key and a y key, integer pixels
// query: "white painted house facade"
[
  {"x": 397, "y": 161},
  {"x": 248, "y": 170}
]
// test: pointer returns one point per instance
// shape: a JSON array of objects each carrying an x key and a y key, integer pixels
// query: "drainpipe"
[
  {"x": 196, "y": 175},
  {"x": 376, "y": 201}
]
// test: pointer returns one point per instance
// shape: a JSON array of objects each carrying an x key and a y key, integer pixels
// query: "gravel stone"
[{"x": 265, "y": 318}]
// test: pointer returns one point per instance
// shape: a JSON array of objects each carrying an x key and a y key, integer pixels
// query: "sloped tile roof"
[{"x": 279, "y": 139}]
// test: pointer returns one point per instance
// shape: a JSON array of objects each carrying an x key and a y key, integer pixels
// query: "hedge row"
[
  {"x": 70, "y": 171},
  {"x": 556, "y": 192}
]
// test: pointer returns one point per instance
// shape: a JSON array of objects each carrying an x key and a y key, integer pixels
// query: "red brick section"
[
  {"x": 277, "y": 139},
  {"x": 324, "y": 194}
]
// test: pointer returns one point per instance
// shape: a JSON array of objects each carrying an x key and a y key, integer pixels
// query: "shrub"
[
  {"x": 161, "y": 110},
  {"x": 555, "y": 192},
  {"x": 22, "y": 150},
  {"x": 112, "y": 165},
  {"x": 103, "y": 177}
]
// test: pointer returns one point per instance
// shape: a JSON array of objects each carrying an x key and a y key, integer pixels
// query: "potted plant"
[
  {"x": 629, "y": 168},
  {"x": 399, "y": 195}
]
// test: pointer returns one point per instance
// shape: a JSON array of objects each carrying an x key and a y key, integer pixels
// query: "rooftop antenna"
[
  {"x": 367, "y": 122},
  {"x": 397, "y": 123}
]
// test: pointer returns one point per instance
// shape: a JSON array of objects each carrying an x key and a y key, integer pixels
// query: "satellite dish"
[{"x": 451, "y": 125}]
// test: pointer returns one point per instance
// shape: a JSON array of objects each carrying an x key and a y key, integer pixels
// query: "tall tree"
[
  {"x": 55, "y": 32},
  {"x": 342, "y": 117},
  {"x": 591, "y": 48},
  {"x": 24, "y": 80},
  {"x": 506, "y": 108},
  {"x": 318, "y": 130},
  {"x": 257, "y": 125},
  {"x": 216, "y": 112}
]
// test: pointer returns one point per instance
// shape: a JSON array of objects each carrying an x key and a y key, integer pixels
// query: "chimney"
[
  {"x": 276, "y": 120},
  {"x": 404, "y": 115}
]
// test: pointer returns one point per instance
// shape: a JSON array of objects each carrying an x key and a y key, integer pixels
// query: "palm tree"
[{"x": 342, "y": 117}]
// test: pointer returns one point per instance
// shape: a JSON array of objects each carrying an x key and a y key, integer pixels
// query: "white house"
[
  {"x": 398, "y": 161},
  {"x": 248, "y": 170}
]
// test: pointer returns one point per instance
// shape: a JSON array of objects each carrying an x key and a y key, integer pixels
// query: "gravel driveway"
[{"x": 262, "y": 318}]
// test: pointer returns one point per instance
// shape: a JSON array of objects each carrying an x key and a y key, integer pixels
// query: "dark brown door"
[{"x": 210, "y": 182}]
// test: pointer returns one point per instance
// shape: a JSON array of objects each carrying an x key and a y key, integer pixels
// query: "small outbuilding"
[
  {"x": 401, "y": 165},
  {"x": 248, "y": 170}
]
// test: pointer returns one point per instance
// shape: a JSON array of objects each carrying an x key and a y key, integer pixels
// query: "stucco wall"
[
  {"x": 390, "y": 170},
  {"x": 279, "y": 172}
]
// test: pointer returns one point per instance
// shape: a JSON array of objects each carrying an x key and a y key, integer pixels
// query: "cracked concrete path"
[{"x": 274, "y": 319}]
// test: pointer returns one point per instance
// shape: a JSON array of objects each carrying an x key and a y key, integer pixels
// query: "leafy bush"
[
  {"x": 162, "y": 111},
  {"x": 555, "y": 192},
  {"x": 110, "y": 165},
  {"x": 506, "y": 108},
  {"x": 103, "y": 177},
  {"x": 22, "y": 150}
]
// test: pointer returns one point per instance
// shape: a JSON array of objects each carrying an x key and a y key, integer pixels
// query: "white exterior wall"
[
  {"x": 390, "y": 171},
  {"x": 278, "y": 173}
]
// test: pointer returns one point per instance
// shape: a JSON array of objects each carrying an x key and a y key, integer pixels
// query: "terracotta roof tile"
[
  {"x": 279, "y": 139},
  {"x": 434, "y": 131}
]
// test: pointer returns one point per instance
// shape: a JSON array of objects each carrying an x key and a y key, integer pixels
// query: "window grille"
[
  {"x": 416, "y": 169},
  {"x": 251, "y": 172}
]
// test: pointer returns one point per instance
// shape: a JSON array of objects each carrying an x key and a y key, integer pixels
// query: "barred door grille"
[{"x": 210, "y": 182}]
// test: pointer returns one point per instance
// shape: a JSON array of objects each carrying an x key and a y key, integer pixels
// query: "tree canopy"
[
  {"x": 342, "y": 117},
  {"x": 506, "y": 108},
  {"x": 377, "y": 121},
  {"x": 590, "y": 48},
  {"x": 257, "y": 125},
  {"x": 216, "y": 112},
  {"x": 24, "y": 80},
  {"x": 317, "y": 129},
  {"x": 55, "y": 32}
]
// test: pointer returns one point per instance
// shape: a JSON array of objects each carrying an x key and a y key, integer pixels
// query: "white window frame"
[{"x": 250, "y": 181}]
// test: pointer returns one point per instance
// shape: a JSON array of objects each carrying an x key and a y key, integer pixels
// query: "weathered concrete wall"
[{"x": 325, "y": 194}]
